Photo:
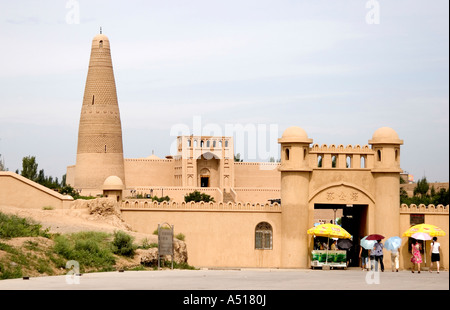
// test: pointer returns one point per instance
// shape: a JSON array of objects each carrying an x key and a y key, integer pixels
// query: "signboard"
[{"x": 165, "y": 241}]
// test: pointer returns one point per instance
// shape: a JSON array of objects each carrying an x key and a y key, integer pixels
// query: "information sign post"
[{"x": 165, "y": 242}]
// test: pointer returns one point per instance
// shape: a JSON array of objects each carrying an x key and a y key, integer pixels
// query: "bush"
[
  {"x": 180, "y": 236},
  {"x": 12, "y": 226},
  {"x": 89, "y": 249},
  {"x": 123, "y": 244},
  {"x": 196, "y": 196}
]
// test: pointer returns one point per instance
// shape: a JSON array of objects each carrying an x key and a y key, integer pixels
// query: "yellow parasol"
[
  {"x": 429, "y": 229},
  {"x": 329, "y": 230},
  {"x": 432, "y": 230}
]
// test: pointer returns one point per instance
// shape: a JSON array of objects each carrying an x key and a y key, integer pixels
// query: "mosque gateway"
[{"x": 245, "y": 226}]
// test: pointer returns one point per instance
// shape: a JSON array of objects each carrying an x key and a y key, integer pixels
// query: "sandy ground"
[{"x": 74, "y": 220}]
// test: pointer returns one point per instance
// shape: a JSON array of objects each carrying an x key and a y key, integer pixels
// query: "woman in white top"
[{"x": 435, "y": 256}]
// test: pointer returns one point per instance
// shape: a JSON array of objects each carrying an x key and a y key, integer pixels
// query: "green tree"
[
  {"x": 2, "y": 164},
  {"x": 237, "y": 158},
  {"x": 29, "y": 168},
  {"x": 422, "y": 188},
  {"x": 442, "y": 197}
]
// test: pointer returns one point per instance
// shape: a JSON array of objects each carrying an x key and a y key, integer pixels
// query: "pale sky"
[{"x": 267, "y": 65}]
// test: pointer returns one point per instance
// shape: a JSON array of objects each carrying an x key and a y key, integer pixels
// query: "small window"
[
  {"x": 263, "y": 236},
  {"x": 100, "y": 44},
  {"x": 363, "y": 162},
  {"x": 333, "y": 161},
  {"x": 214, "y": 143},
  {"x": 226, "y": 143},
  {"x": 93, "y": 99},
  {"x": 319, "y": 161},
  {"x": 379, "y": 155},
  {"x": 207, "y": 143},
  {"x": 189, "y": 143},
  {"x": 305, "y": 153},
  {"x": 396, "y": 155},
  {"x": 286, "y": 152},
  {"x": 349, "y": 162},
  {"x": 415, "y": 219}
]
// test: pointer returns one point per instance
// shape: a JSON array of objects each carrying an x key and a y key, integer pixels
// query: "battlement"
[
  {"x": 340, "y": 156},
  {"x": 142, "y": 204},
  {"x": 365, "y": 149},
  {"x": 404, "y": 208}
]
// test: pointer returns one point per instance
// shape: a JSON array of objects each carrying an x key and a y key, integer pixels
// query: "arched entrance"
[
  {"x": 208, "y": 170},
  {"x": 351, "y": 205},
  {"x": 353, "y": 218}
]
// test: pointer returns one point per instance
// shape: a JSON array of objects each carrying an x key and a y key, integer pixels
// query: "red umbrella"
[{"x": 374, "y": 237}]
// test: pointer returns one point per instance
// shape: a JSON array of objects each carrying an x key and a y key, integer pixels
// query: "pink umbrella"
[{"x": 421, "y": 236}]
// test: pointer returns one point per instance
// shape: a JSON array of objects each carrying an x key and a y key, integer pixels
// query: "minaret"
[{"x": 100, "y": 149}]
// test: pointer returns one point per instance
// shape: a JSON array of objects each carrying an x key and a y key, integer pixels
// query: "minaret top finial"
[{"x": 100, "y": 30}]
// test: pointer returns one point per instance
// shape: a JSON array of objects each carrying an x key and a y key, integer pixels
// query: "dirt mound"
[{"x": 101, "y": 214}]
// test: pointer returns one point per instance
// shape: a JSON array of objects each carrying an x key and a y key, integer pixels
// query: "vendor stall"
[{"x": 332, "y": 258}]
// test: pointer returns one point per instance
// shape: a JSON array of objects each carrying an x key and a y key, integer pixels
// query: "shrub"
[
  {"x": 180, "y": 236},
  {"x": 196, "y": 196},
  {"x": 89, "y": 249},
  {"x": 12, "y": 226},
  {"x": 123, "y": 244}
]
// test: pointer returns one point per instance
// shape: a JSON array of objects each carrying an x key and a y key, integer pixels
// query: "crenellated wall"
[
  {"x": 217, "y": 234},
  {"x": 435, "y": 215},
  {"x": 348, "y": 157}
]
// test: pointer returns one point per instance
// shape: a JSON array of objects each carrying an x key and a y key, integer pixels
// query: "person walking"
[
  {"x": 416, "y": 256},
  {"x": 378, "y": 252},
  {"x": 364, "y": 256},
  {"x": 435, "y": 254},
  {"x": 395, "y": 254}
]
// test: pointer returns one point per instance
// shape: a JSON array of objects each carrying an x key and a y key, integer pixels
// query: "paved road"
[{"x": 239, "y": 279}]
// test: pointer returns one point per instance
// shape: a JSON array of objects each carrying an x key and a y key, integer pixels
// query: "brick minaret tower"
[{"x": 100, "y": 149}]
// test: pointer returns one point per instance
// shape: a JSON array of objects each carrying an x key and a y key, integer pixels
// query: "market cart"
[
  {"x": 331, "y": 258},
  {"x": 335, "y": 258}
]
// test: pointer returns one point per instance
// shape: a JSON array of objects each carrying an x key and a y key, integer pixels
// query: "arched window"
[
  {"x": 263, "y": 236},
  {"x": 333, "y": 161},
  {"x": 100, "y": 44},
  {"x": 379, "y": 155},
  {"x": 349, "y": 161},
  {"x": 319, "y": 161},
  {"x": 363, "y": 162},
  {"x": 286, "y": 152},
  {"x": 207, "y": 143},
  {"x": 226, "y": 143}
]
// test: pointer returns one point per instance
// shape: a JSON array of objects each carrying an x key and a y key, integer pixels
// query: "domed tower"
[
  {"x": 100, "y": 149},
  {"x": 295, "y": 177},
  {"x": 386, "y": 173}
]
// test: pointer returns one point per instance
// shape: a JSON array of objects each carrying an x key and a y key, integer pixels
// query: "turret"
[
  {"x": 295, "y": 178},
  {"x": 386, "y": 174}
]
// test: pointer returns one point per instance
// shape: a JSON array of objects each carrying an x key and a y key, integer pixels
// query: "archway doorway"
[
  {"x": 353, "y": 219},
  {"x": 204, "y": 181}
]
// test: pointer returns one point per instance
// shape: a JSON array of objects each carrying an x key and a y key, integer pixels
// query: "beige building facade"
[{"x": 244, "y": 227}]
